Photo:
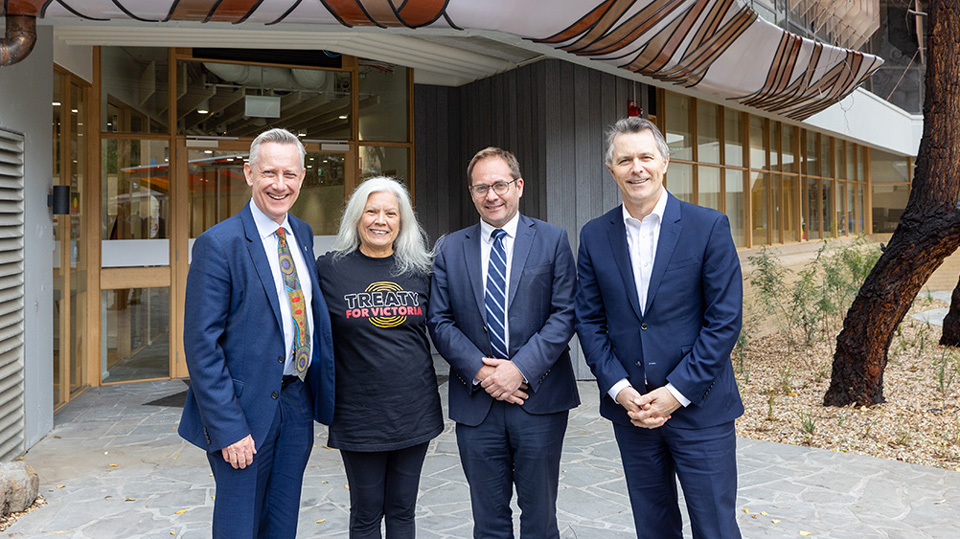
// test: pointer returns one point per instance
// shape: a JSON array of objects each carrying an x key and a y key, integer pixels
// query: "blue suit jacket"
[
  {"x": 540, "y": 311},
  {"x": 690, "y": 323},
  {"x": 233, "y": 337}
]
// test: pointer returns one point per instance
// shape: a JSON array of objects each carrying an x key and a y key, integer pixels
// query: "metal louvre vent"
[{"x": 11, "y": 296}]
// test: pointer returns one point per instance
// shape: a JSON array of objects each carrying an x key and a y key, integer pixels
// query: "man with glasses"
[{"x": 501, "y": 313}]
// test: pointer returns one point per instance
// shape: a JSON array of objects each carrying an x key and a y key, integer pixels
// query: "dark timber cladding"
[{"x": 552, "y": 115}]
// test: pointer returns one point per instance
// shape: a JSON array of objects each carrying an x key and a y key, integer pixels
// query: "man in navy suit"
[
  {"x": 659, "y": 308},
  {"x": 261, "y": 365},
  {"x": 501, "y": 313}
]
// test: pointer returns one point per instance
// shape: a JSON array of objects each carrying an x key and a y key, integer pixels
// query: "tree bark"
[
  {"x": 928, "y": 231},
  {"x": 951, "y": 322}
]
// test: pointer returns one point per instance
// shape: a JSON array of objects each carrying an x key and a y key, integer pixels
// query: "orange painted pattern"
[
  {"x": 233, "y": 10},
  {"x": 385, "y": 13},
  {"x": 192, "y": 10},
  {"x": 588, "y": 21},
  {"x": 807, "y": 95},
  {"x": 423, "y": 12}
]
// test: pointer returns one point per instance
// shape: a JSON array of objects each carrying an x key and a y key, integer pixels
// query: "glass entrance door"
[
  {"x": 70, "y": 372},
  {"x": 135, "y": 259}
]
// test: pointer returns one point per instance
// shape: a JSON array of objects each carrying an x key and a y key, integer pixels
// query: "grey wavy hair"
[
  {"x": 410, "y": 247},
  {"x": 278, "y": 135},
  {"x": 631, "y": 125}
]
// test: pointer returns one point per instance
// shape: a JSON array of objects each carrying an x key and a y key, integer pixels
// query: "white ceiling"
[{"x": 437, "y": 58}]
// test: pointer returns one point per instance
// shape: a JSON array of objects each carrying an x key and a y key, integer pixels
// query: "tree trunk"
[
  {"x": 951, "y": 322},
  {"x": 928, "y": 231}
]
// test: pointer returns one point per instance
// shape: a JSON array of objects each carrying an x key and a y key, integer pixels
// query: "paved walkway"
[{"x": 114, "y": 467}]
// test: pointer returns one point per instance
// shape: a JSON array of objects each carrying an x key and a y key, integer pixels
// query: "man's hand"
[
  {"x": 655, "y": 408},
  {"x": 504, "y": 382},
  {"x": 240, "y": 454},
  {"x": 629, "y": 398}
]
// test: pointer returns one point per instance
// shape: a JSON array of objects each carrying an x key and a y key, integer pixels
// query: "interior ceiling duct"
[{"x": 268, "y": 77}]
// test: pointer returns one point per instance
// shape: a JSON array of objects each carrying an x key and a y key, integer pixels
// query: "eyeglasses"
[{"x": 500, "y": 188}]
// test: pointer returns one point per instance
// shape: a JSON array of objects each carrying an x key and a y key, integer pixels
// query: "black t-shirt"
[{"x": 387, "y": 394}]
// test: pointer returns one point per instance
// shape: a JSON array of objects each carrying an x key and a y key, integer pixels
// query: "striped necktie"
[
  {"x": 301, "y": 328},
  {"x": 495, "y": 295}
]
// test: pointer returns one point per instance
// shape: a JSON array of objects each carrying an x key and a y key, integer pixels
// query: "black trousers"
[{"x": 383, "y": 486}]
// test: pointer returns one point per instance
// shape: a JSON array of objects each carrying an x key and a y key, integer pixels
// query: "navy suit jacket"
[
  {"x": 690, "y": 323},
  {"x": 539, "y": 309},
  {"x": 233, "y": 337}
]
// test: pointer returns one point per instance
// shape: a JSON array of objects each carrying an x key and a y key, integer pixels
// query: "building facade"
[{"x": 145, "y": 126}]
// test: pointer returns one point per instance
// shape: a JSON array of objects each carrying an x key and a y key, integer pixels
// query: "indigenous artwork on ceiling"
[{"x": 720, "y": 47}]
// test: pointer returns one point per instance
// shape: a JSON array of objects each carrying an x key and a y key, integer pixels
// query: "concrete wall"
[
  {"x": 870, "y": 120},
  {"x": 27, "y": 91}
]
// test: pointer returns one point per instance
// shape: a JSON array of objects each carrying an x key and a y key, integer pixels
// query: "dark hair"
[{"x": 631, "y": 125}]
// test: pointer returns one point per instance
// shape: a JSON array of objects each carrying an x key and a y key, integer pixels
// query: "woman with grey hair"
[{"x": 376, "y": 283}]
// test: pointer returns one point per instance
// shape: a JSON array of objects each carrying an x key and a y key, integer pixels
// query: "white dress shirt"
[
  {"x": 267, "y": 228},
  {"x": 486, "y": 243},
  {"x": 642, "y": 237}
]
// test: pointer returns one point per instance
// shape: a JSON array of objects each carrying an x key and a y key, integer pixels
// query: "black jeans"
[{"x": 384, "y": 485}]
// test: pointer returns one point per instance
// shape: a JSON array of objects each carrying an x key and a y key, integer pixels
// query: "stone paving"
[{"x": 114, "y": 467}]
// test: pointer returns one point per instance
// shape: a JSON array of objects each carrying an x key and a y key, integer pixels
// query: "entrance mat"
[{"x": 177, "y": 400}]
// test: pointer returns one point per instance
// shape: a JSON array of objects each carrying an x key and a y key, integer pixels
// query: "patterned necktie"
[
  {"x": 495, "y": 295},
  {"x": 301, "y": 335}
]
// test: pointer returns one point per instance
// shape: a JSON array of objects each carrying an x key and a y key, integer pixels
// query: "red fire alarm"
[{"x": 633, "y": 109}]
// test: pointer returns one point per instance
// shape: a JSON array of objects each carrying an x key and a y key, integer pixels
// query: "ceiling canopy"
[{"x": 720, "y": 47}]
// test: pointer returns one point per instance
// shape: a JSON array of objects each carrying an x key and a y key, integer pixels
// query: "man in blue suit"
[
  {"x": 258, "y": 348},
  {"x": 659, "y": 308},
  {"x": 501, "y": 313}
]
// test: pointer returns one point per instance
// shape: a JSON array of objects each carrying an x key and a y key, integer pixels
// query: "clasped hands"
[
  {"x": 650, "y": 410},
  {"x": 502, "y": 380}
]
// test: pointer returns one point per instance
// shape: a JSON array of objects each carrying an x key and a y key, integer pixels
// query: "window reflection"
[
  {"x": 136, "y": 202},
  {"x": 384, "y": 161},
  {"x": 135, "y": 96},
  {"x": 237, "y": 100},
  {"x": 383, "y": 101},
  {"x": 136, "y": 329}
]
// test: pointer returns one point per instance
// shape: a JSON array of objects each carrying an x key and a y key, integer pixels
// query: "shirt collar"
[
  {"x": 265, "y": 225},
  {"x": 486, "y": 229},
  {"x": 657, "y": 210}
]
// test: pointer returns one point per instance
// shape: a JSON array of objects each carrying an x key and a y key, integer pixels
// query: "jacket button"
[
  {"x": 639, "y": 364},
  {"x": 643, "y": 327},
  {"x": 275, "y": 395},
  {"x": 280, "y": 359}
]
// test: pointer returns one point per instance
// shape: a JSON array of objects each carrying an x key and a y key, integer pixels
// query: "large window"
[
  {"x": 777, "y": 182},
  {"x": 890, "y": 189}
]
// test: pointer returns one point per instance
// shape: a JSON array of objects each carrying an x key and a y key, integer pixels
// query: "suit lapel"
[
  {"x": 259, "y": 258},
  {"x": 474, "y": 271},
  {"x": 526, "y": 232},
  {"x": 670, "y": 228},
  {"x": 617, "y": 234}
]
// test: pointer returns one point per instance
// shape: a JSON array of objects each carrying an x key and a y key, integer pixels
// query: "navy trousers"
[
  {"x": 704, "y": 461},
  {"x": 263, "y": 500},
  {"x": 512, "y": 447}
]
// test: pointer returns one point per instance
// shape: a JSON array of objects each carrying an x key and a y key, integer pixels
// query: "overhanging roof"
[{"x": 719, "y": 47}]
